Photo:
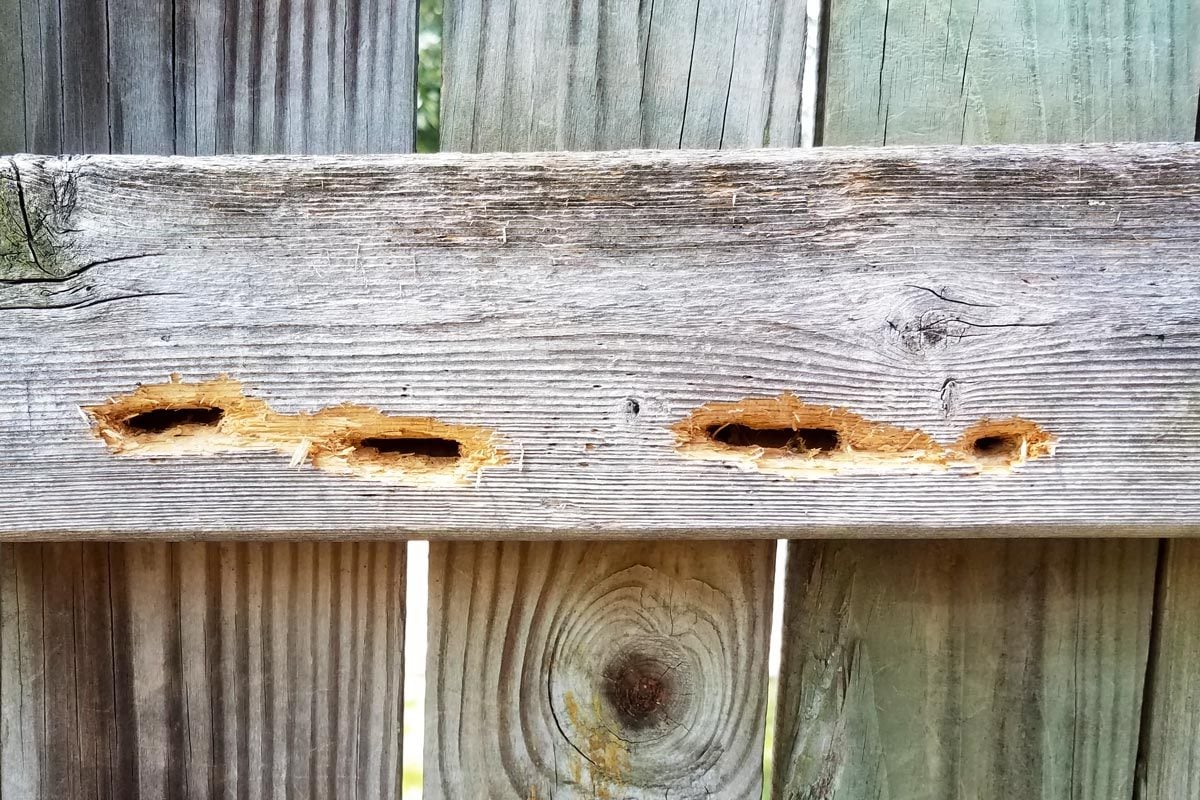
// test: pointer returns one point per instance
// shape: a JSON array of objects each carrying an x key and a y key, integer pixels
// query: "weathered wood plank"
[
  {"x": 197, "y": 77},
  {"x": 937, "y": 72},
  {"x": 579, "y": 305},
  {"x": 533, "y": 75},
  {"x": 597, "y": 669},
  {"x": 201, "y": 670},
  {"x": 963, "y": 669}
]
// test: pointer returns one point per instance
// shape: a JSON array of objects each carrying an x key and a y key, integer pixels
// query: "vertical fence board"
[
  {"x": 203, "y": 670},
  {"x": 525, "y": 75},
  {"x": 596, "y": 669},
  {"x": 522, "y": 75},
  {"x": 1169, "y": 760},
  {"x": 1169, "y": 757},
  {"x": 963, "y": 668},
  {"x": 199, "y": 77},
  {"x": 941, "y": 72},
  {"x": 190, "y": 670},
  {"x": 973, "y": 669}
]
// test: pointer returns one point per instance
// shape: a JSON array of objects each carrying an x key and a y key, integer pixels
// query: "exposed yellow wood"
[{"x": 179, "y": 418}]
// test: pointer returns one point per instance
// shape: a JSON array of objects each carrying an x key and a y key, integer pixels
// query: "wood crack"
[{"x": 29, "y": 239}]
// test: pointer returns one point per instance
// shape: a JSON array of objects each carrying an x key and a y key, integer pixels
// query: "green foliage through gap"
[{"x": 429, "y": 75}]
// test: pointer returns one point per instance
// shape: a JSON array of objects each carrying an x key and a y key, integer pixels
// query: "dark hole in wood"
[
  {"x": 159, "y": 420},
  {"x": 736, "y": 434},
  {"x": 996, "y": 446},
  {"x": 640, "y": 689},
  {"x": 426, "y": 446}
]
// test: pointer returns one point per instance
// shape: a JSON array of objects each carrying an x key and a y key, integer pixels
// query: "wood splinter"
[
  {"x": 785, "y": 436},
  {"x": 216, "y": 416},
  {"x": 1000, "y": 446}
]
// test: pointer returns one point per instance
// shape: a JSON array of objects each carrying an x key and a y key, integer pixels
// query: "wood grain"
[
  {"x": 1169, "y": 762},
  {"x": 537, "y": 75},
  {"x": 201, "y": 670},
  {"x": 581, "y": 304},
  {"x": 963, "y": 669},
  {"x": 940, "y": 72},
  {"x": 199, "y": 77},
  {"x": 630, "y": 670}
]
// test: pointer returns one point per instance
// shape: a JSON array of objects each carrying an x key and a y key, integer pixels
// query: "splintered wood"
[
  {"x": 786, "y": 436},
  {"x": 213, "y": 417}
]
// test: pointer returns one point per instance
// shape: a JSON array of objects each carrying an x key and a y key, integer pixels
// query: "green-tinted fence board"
[
  {"x": 1169, "y": 760},
  {"x": 1026, "y": 71}
]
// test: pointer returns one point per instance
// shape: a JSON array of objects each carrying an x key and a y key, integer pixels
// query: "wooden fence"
[{"x": 561, "y": 665}]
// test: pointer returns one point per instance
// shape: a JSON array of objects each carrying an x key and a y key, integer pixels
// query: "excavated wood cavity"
[
  {"x": 1000, "y": 446},
  {"x": 214, "y": 417},
  {"x": 785, "y": 436}
]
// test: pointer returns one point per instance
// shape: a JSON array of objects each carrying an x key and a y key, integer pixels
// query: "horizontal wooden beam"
[{"x": 839, "y": 342}]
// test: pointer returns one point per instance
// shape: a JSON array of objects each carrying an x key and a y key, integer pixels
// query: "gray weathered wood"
[
  {"x": 601, "y": 669},
  {"x": 963, "y": 669},
  {"x": 536, "y": 75},
  {"x": 198, "y": 77},
  {"x": 937, "y": 71},
  {"x": 579, "y": 305},
  {"x": 201, "y": 670}
]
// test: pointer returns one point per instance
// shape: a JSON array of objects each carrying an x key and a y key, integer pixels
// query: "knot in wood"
[{"x": 640, "y": 688}]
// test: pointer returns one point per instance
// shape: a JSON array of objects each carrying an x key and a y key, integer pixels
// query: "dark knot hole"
[
  {"x": 996, "y": 446},
  {"x": 161, "y": 420},
  {"x": 423, "y": 446},
  {"x": 640, "y": 689},
  {"x": 736, "y": 434}
]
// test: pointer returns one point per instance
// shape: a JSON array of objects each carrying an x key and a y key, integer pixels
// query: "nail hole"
[
  {"x": 996, "y": 446},
  {"x": 735, "y": 434},
  {"x": 424, "y": 446},
  {"x": 161, "y": 420}
]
